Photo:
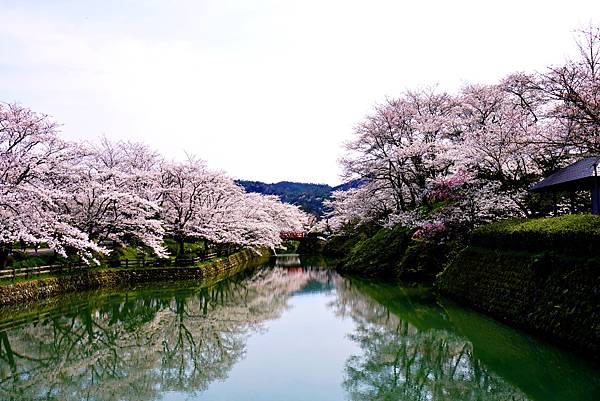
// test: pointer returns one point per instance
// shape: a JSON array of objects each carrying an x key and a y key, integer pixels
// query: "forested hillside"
[{"x": 308, "y": 196}]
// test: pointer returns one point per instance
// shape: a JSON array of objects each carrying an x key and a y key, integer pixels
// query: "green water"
[{"x": 286, "y": 331}]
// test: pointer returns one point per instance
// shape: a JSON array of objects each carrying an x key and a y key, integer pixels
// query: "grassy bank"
[
  {"x": 541, "y": 275},
  {"x": 389, "y": 253},
  {"x": 45, "y": 287},
  {"x": 575, "y": 235}
]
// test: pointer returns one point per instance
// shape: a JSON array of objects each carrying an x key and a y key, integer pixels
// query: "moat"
[{"x": 291, "y": 329}]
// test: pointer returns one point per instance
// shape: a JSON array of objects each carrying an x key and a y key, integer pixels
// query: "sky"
[{"x": 266, "y": 90}]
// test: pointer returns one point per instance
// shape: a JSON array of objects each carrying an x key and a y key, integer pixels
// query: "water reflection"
[
  {"x": 135, "y": 345},
  {"x": 416, "y": 347},
  {"x": 401, "y": 361},
  {"x": 145, "y": 343},
  {"x": 291, "y": 260}
]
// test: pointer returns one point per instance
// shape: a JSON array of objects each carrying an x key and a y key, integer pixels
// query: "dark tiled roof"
[{"x": 580, "y": 170}]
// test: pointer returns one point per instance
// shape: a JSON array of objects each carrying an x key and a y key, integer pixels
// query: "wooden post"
[
  {"x": 554, "y": 202},
  {"x": 127, "y": 263}
]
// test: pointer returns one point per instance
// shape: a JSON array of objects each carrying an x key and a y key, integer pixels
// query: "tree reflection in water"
[
  {"x": 416, "y": 353},
  {"x": 142, "y": 343},
  {"x": 136, "y": 345},
  {"x": 401, "y": 363}
]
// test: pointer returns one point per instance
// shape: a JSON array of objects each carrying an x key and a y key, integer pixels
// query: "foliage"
[
  {"x": 380, "y": 254},
  {"x": 192, "y": 249},
  {"x": 340, "y": 244},
  {"x": 395, "y": 253},
  {"x": 400, "y": 253},
  {"x": 309, "y": 197},
  {"x": 78, "y": 197},
  {"x": 131, "y": 252},
  {"x": 21, "y": 260},
  {"x": 570, "y": 234},
  {"x": 445, "y": 163},
  {"x": 312, "y": 244}
]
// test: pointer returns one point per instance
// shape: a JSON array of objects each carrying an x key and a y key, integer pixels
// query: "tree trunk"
[
  {"x": 4, "y": 248},
  {"x": 181, "y": 247},
  {"x": 4, "y": 341},
  {"x": 204, "y": 251}
]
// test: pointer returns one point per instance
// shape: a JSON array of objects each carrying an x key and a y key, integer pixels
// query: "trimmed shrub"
[{"x": 575, "y": 235}]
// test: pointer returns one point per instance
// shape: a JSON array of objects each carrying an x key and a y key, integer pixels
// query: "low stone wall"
[
  {"x": 25, "y": 292},
  {"x": 554, "y": 296}
]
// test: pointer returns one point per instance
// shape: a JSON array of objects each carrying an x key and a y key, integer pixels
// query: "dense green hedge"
[{"x": 575, "y": 235}]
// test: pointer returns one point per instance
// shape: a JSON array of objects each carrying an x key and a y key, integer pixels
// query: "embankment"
[
  {"x": 20, "y": 293},
  {"x": 388, "y": 254},
  {"x": 540, "y": 275}
]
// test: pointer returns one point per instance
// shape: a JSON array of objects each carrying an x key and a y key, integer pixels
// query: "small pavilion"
[{"x": 579, "y": 176}]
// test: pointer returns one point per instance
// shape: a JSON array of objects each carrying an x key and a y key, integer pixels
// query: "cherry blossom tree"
[
  {"x": 31, "y": 157},
  {"x": 202, "y": 204},
  {"x": 480, "y": 148},
  {"x": 355, "y": 206},
  {"x": 286, "y": 217},
  {"x": 195, "y": 200},
  {"x": 402, "y": 145},
  {"x": 499, "y": 141},
  {"x": 76, "y": 196},
  {"x": 109, "y": 195},
  {"x": 250, "y": 223},
  {"x": 397, "y": 152},
  {"x": 573, "y": 92},
  {"x": 259, "y": 220}
]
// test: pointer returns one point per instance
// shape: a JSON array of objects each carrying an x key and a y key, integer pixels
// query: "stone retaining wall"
[
  {"x": 25, "y": 292},
  {"x": 554, "y": 296}
]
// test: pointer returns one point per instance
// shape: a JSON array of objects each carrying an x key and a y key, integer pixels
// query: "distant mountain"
[
  {"x": 348, "y": 185},
  {"x": 308, "y": 196}
]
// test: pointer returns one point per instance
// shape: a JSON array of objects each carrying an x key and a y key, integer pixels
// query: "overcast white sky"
[{"x": 264, "y": 89}]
